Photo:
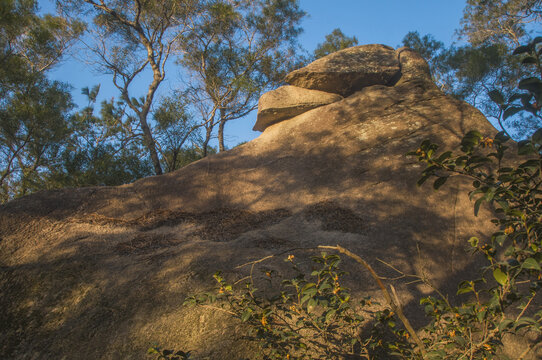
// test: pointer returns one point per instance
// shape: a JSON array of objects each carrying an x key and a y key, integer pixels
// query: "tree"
[
  {"x": 131, "y": 37},
  {"x": 238, "y": 50},
  {"x": 175, "y": 129},
  {"x": 334, "y": 42},
  {"x": 103, "y": 149},
  {"x": 34, "y": 112},
  {"x": 501, "y": 21},
  {"x": 34, "y": 122},
  {"x": 471, "y": 72},
  {"x": 504, "y": 25}
]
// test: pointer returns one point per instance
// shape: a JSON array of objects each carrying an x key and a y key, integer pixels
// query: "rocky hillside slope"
[{"x": 101, "y": 273}]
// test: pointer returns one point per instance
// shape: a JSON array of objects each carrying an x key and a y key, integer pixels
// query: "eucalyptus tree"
[
  {"x": 177, "y": 132},
  {"x": 34, "y": 112},
  {"x": 500, "y": 21},
  {"x": 132, "y": 40},
  {"x": 104, "y": 147},
  {"x": 334, "y": 41},
  {"x": 238, "y": 50},
  {"x": 494, "y": 29},
  {"x": 471, "y": 72}
]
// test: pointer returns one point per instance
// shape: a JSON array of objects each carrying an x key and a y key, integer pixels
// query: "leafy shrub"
[{"x": 311, "y": 317}]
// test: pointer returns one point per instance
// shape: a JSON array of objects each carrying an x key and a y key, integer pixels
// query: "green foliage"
[
  {"x": 34, "y": 112},
  {"x": 529, "y": 99},
  {"x": 334, "y": 42},
  {"x": 505, "y": 21},
  {"x": 503, "y": 26},
  {"x": 311, "y": 317},
  {"x": 513, "y": 275},
  {"x": 164, "y": 354},
  {"x": 237, "y": 52},
  {"x": 34, "y": 124},
  {"x": 486, "y": 63},
  {"x": 175, "y": 129}
]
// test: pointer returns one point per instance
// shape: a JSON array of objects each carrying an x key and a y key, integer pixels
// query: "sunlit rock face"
[
  {"x": 349, "y": 70},
  {"x": 343, "y": 72},
  {"x": 289, "y": 101},
  {"x": 101, "y": 273}
]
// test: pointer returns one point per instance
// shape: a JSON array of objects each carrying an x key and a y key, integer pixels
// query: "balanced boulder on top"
[
  {"x": 287, "y": 102},
  {"x": 343, "y": 72},
  {"x": 347, "y": 71}
]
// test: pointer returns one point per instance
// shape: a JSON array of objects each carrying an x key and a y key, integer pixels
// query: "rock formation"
[
  {"x": 342, "y": 72},
  {"x": 349, "y": 70},
  {"x": 287, "y": 102},
  {"x": 101, "y": 273}
]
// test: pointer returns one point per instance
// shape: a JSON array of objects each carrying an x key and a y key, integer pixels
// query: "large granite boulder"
[
  {"x": 101, "y": 273},
  {"x": 349, "y": 70},
  {"x": 287, "y": 102}
]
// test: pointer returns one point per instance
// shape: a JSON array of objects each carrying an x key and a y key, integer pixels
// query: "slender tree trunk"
[
  {"x": 149, "y": 143},
  {"x": 205, "y": 144},
  {"x": 221, "y": 146}
]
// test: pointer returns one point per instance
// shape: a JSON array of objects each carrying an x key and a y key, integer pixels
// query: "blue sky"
[{"x": 381, "y": 21}]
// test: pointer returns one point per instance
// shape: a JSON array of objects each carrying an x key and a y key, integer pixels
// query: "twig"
[{"x": 395, "y": 306}]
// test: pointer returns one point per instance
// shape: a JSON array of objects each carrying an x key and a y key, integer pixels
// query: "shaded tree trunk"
[
  {"x": 221, "y": 146},
  {"x": 205, "y": 144},
  {"x": 149, "y": 143}
]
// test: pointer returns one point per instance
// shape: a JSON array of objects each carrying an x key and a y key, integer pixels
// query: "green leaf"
[
  {"x": 500, "y": 239},
  {"x": 529, "y": 60},
  {"x": 474, "y": 241},
  {"x": 305, "y": 298},
  {"x": 422, "y": 180},
  {"x": 521, "y": 96},
  {"x": 530, "y": 164},
  {"x": 511, "y": 111},
  {"x": 246, "y": 315},
  {"x": 330, "y": 314},
  {"x": 521, "y": 49},
  {"x": 532, "y": 84},
  {"x": 531, "y": 264},
  {"x": 525, "y": 147},
  {"x": 439, "y": 182},
  {"x": 496, "y": 96},
  {"x": 505, "y": 324},
  {"x": 311, "y": 305},
  {"x": 465, "y": 287},
  {"x": 537, "y": 137},
  {"x": 477, "y": 205},
  {"x": 500, "y": 276},
  {"x": 444, "y": 156}
]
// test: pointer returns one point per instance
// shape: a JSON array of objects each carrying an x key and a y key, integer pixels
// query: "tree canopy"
[
  {"x": 34, "y": 112},
  {"x": 486, "y": 65},
  {"x": 334, "y": 42}
]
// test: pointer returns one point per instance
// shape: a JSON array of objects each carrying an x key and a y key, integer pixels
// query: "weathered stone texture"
[
  {"x": 103, "y": 274},
  {"x": 349, "y": 70},
  {"x": 413, "y": 65},
  {"x": 287, "y": 102}
]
